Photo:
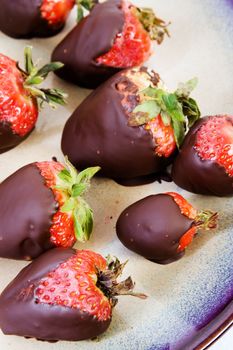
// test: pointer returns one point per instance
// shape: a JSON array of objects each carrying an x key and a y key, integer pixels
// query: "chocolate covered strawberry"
[
  {"x": 33, "y": 18},
  {"x": 114, "y": 36},
  {"x": 160, "y": 227},
  {"x": 63, "y": 295},
  {"x": 42, "y": 208},
  {"x": 19, "y": 94},
  {"x": 130, "y": 126},
  {"x": 205, "y": 162}
]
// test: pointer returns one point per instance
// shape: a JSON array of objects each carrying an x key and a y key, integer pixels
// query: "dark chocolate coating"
[
  {"x": 27, "y": 207},
  {"x": 153, "y": 227},
  {"x": 90, "y": 39},
  {"x": 97, "y": 133},
  {"x": 8, "y": 139},
  {"x": 22, "y": 19},
  {"x": 21, "y": 315},
  {"x": 195, "y": 175}
]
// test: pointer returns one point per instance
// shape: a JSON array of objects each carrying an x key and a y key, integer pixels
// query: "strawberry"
[
  {"x": 131, "y": 126},
  {"x": 160, "y": 227},
  {"x": 55, "y": 12},
  {"x": 122, "y": 36},
  {"x": 18, "y": 98},
  {"x": 33, "y": 18},
  {"x": 46, "y": 198},
  {"x": 132, "y": 47},
  {"x": 205, "y": 162},
  {"x": 64, "y": 295}
]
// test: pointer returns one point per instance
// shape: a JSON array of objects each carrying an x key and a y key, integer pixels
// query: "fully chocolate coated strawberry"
[
  {"x": 130, "y": 126},
  {"x": 160, "y": 227},
  {"x": 63, "y": 295},
  {"x": 33, "y": 18},
  {"x": 205, "y": 162}
]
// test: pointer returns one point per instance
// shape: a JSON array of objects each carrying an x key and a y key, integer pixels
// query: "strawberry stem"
[
  {"x": 107, "y": 281},
  {"x": 206, "y": 220},
  {"x": 35, "y": 76},
  {"x": 84, "y": 5},
  {"x": 73, "y": 185},
  {"x": 156, "y": 27}
]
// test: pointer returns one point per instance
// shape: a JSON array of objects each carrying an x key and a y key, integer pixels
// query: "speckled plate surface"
[{"x": 190, "y": 301}]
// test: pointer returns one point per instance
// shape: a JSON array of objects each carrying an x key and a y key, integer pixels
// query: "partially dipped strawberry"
[
  {"x": 63, "y": 295},
  {"x": 160, "y": 227},
  {"x": 130, "y": 126},
  {"x": 19, "y": 93},
  {"x": 205, "y": 162},
  {"x": 115, "y": 35},
  {"x": 33, "y": 18},
  {"x": 42, "y": 208}
]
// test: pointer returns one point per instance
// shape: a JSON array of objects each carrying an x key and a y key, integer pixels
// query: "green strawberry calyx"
[
  {"x": 107, "y": 281},
  {"x": 73, "y": 184},
  {"x": 34, "y": 76},
  {"x": 83, "y": 5},
  {"x": 177, "y": 109},
  {"x": 156, "y": 27},
  {"x": 206, "y": 220}
]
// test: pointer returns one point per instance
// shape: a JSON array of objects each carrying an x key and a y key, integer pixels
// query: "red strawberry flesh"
[
  {"x": 185, "y": 207},
  {"x": 204, "y": 219},
  {"x": 62, "y": 228},
  {"x": 17, "y": 106},
  {"x": 132, "y": 46},
  {"x": 56, "y": 11},
  {"x": 163, "y": 136},
  {"x": 214, "y": 141},
  {"x": 73, "y": 284},
  {"x": 136, "y": 80}
]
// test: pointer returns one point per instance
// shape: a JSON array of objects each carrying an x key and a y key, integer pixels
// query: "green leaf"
[
  {"x": 84, "y": 4},
  {"x": 143, "y": 113},
  {"x": 68, "y": 206},
  {"x": 80, "y": 13},
  {"x": 83, "y": 221},
  {"x": 185, "y": 89},
  {"x": 173, "y": 107},
  {"x": 156, "y": 27},
  {"x": 190, "y": 109},
  {"x": 28, "y": 59},
  {"x": 179, "y": 132},
  {"x": 55, "y": 97},
  {"x": 138, "y": 119},
  {"x": 150, "y": 92},
  {"x": 72, "y": 171},
  {"x": 86, "y": 175},
  {"x": 165, "y": 118},
  {"x": 87, "y": 4},
  {"x": 78, "y": 189},
  {"x": 37, "y": 93},
  {"x": 50, "y": 67},
  {"x": 65, "y": 176},
  {"x": 35, "y": 80},
  {"x": 35, "y": 76}
]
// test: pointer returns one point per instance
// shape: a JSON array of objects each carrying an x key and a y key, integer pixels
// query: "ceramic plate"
[{"x": 190, "y": 301}]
